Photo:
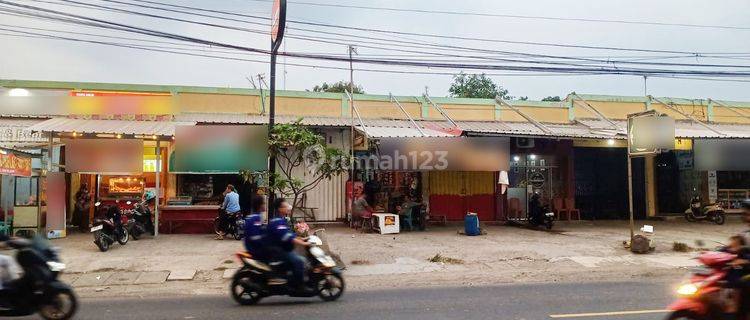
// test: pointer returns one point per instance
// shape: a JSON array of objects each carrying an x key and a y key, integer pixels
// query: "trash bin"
[{"x": 471, "y": 224}]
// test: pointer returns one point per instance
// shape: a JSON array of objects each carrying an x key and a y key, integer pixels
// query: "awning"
[
  {"x": 127, "y": 127},
  {"x": 688, "y": 129},
  {"x": 406, "y": 132}
]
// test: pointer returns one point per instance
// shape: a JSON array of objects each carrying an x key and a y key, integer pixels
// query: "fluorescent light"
[
  {"x": 3, "y": 152},
  {"x": 19, "y": 92},
  {"x": 516, "y": 158},
  {"x": 532, "y": 157},
  {"x": 611, "y": 142}
]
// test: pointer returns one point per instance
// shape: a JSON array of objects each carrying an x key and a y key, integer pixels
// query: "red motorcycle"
[{"x": 704, "y": 296}]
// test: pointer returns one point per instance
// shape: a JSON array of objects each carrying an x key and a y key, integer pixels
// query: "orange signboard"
[{"x": 14, "y": 165}]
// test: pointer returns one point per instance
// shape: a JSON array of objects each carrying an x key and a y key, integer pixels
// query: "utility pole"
[
  {"x": 351, "y": 136},
  {"x": 262, "y": 97},
  {"x": 645, "y": 85},
  {"x": 278, "y": 24}
]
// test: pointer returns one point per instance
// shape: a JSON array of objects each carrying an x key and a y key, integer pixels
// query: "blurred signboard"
[
  {"x": 649, "y": 132},
  {"x": 449, "y": 153},
  {"x": 722, "y": 154},
  {"x": 13, "y": 165},
  {"x": 104, "y": 155},
  {"x": 220, "y": 149}
]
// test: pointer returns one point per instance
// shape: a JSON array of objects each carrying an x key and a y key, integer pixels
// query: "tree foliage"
[
  {"x": 296, "y": 146},
  {"x": 337, "y": 87},
  {"x": 551, "y": 98},
  {"x": 476, "y": 86}
]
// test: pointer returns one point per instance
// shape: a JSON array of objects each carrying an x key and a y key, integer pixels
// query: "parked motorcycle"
[
  {"x": 235, "y": 224},
  {"x": 256, "y": 279},
  {"x": 39, "y": 290},
  {"x": 139, "y": 220},
  {"x": 106, "y": 231},
  {"x": 540, "y": 215},
  {"x": 711, "y": 212},
  {"x": 704, "y": 297}
]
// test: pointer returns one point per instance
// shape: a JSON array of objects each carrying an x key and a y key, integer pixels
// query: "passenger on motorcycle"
[
  {"x": 230, "y": 206},
  {"x": 256, "y": 237},
  {"x": 744, "y": 263},
  {"x": 282, "y": 241}
]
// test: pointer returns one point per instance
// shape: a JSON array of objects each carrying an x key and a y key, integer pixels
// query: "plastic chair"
[
  {"x": 570, "y": 206},
  {"x": 559, "y": 209},
  {"x": 514, "y": 208},
  {"x": 407, "y": 219},
  {"x": 366, "y": 222}
]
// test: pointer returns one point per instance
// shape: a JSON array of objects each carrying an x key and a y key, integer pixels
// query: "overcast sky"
[{"x": 43, "y": 59}]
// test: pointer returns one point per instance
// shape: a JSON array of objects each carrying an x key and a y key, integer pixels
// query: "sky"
[{"x": 45, "y": 59}]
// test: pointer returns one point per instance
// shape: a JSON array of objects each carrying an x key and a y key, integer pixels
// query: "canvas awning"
[{"x": 124, "y": 127}]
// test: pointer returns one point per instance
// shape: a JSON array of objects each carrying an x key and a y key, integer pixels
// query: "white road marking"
[{"x": 604, "y": 314}]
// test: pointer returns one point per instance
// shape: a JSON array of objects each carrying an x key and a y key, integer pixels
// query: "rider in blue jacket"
[
  {"x": 283, "y": 239},
  {"x": 256, "y": 237}
]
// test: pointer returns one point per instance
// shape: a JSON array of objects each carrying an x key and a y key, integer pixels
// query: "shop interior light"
[
  {"x": 516, "y": 158},
  {"x": 3, "y": 152},
  {"x": 153, "y": 137},
  {"x": 532, "y": 157},
  {"x": 19, "y": 92},
  {"x": 119, "y": 136},
  {"x": 611, "y": 142}
]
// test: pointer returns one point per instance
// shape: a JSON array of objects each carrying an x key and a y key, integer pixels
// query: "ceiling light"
[{"x": 611, "y": 142}]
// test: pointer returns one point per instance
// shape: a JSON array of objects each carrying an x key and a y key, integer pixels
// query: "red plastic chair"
[
  {"x": 559, "y": 209},
  {"x": 514, "y": 208}
]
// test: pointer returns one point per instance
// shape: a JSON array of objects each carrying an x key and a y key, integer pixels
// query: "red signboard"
[
  {"x": 11, "y": 164},
  {"x": 278, "y": 22}
]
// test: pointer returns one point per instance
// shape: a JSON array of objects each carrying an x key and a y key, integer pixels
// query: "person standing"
[
  {"x": 230, "y": 206},
  {"x": 82, "y": 207}
]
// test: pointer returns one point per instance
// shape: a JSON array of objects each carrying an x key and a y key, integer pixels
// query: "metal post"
[
  {"x": 630, "y": 195},
  {"x": 351, "y": 142},
  {"x": 158, "y": 190}
]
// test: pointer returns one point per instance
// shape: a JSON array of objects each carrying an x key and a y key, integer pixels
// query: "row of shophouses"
[{"x": 573, "y": 149}]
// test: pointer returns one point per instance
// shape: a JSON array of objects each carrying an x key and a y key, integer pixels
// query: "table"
[
  {"x": 187, "y": 219},
  {"x": 386, "y": 223}
]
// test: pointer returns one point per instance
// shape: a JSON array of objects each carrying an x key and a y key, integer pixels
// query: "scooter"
[
  {"x": 540, "y": 215},
  {"x": 139, "y": 220},
  {"x": 256, "y": 279},
  {"x": 703, "y": 296},
  {"x": 711, "y": 212},
  {"x": 106, "y": 231},
  {"x": 235, "y": 224},
  {"x": 39, "y": 290}
]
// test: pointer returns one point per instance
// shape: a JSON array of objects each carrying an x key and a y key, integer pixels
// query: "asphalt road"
[{"x": 528, "y": 301}]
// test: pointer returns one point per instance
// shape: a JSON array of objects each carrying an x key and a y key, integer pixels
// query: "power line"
[
  {"x": 405, "y": 43},
  {"x": 392, "y": 32},
  {"x": 609, "y": 70},
  {"x": 496, "y": 15}
]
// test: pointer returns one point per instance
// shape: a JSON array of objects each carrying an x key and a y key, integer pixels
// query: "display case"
[
  {"x": 731, "y": 199},
  {"x": 125, "y": 185}
]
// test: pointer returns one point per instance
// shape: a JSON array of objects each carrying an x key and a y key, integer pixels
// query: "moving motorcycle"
[
  {"x": 256, "y": 280},
  {"x": 710, "y": 212},
  {"x": 704, "y": 297},
  {"x": 106, "y": 231},
  {"x": 139, "y": 220},
  {"x": 39, "y": 289},
  {"x": 235, "y": 224},
  {"x": 540, "y": 215}
]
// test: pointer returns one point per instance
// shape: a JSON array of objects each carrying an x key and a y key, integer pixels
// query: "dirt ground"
[{"x": 571, "y": 251}]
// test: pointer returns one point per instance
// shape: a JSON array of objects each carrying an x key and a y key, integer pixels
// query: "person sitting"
[
  {"x": 282, "y": 241},
  {"x": 405, "y": 211}
]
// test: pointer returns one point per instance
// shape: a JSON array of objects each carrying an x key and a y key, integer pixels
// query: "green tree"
[
  {"x": 476, "y": 86},
  {"x": 337, "y": 87},
  {"x": 294, "y": 146},
  {"x": 551, "y": 98}
]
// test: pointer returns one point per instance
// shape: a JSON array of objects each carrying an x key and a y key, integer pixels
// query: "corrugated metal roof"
[
  {"x": 162, "y": 128},
  {"x": 18, "y": 122},
  {"x": 404, "y": 132},
  {"x": 687, "y": 129}
]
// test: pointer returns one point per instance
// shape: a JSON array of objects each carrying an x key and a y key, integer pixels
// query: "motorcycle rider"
[
  {"x": 256, "y": 237},
  {"x": 230, "y": 206},
  {"x": 282, "y": 241},
  {"x": 744, "y": 312}
]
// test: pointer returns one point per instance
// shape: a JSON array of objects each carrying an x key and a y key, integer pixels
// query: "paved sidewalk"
[{"x": 198, "y": 264}]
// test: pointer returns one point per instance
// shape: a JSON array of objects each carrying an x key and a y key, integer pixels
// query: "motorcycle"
[
  {"x": 106, "y": 231},
  {"x": 256, "y": 279},
  {"x": 703, "y": 297},
  {"x": 710, "y": 212},
  {"x": 540, "y": 215},
  {"x": 39, "y": 290},
  {"x": 139, "y": 220},
  {"x": 235, "y": 224}
]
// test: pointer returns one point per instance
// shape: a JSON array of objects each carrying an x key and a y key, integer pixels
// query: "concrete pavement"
[{"x": 584, "y": 300}]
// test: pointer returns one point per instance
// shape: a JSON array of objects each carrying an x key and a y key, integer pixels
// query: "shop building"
[{"x": 573, "y": 149}]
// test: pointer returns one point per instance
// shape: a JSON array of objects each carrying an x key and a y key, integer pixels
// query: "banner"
[
  {"x": 220, "y": 149},
  {"x": 104, "y": 155},
  {"x": 11, "y": 164}
]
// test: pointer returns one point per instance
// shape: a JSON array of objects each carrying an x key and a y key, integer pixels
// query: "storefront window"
[
  {"x": 26, "y": 191},
  {"x": 206, "y": 189}
]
